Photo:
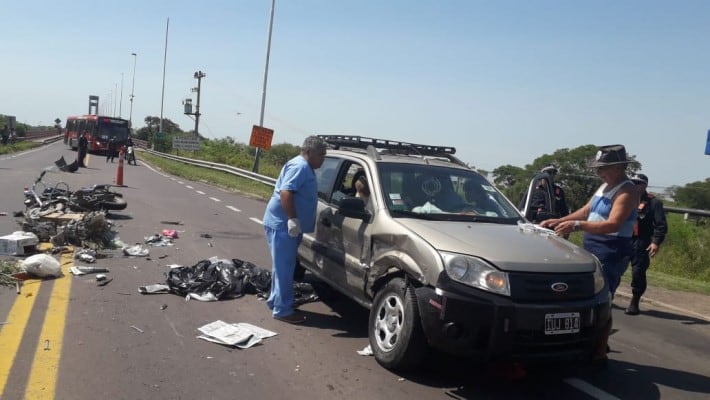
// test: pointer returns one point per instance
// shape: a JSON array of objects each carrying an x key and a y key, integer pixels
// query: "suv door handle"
[{"x": 325, "y": 222}]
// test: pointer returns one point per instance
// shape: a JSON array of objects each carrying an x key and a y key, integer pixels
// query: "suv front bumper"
[{"x": 471, "y": 322}]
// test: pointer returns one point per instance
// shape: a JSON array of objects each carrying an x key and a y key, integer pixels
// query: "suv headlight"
[
  {"x": 598, "y": 277},
  {"x": 475, "y": 272}
]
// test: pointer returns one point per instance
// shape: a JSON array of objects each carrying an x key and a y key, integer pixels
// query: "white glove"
[{"x": 294, "y": 227}]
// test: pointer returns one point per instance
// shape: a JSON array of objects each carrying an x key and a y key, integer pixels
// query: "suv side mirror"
[{"x": 353, "y": 207}]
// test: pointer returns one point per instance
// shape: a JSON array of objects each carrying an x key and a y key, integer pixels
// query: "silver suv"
[{"x": 444, "y": 260}]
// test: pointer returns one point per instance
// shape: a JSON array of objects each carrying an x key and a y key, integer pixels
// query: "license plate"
[{"x": 561, "y": 323}]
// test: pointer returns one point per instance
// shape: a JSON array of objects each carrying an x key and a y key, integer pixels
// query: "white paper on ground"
[{"x": 241, "y": 335}]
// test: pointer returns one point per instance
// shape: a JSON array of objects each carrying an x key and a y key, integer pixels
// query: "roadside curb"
[{"x": 644, "y": 299}]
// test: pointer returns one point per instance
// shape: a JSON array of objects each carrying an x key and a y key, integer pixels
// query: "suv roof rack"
[
  {"x": 361, "y": 142},
  {"x": 391, "y": 146}
]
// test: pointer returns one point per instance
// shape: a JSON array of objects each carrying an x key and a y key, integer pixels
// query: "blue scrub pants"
[{"x": 283, "y": 250}]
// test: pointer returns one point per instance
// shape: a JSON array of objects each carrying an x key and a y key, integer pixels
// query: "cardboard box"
[{"x": 18, "y": 243}]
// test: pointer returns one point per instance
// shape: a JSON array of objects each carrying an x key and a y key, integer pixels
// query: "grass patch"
[
  {"x": 7, "y": 268},
  {"x": 672, "y": 282},
  {"x": 18, "y": 146},
  {"x": 221, "y": 179}
]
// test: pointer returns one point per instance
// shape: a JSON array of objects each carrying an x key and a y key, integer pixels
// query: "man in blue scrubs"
[{"x": 291, "y": 211}]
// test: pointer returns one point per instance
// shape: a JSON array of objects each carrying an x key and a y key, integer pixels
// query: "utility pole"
[
  {"x": 133, "y": 85},
  {"x": 198, "y": 75}
]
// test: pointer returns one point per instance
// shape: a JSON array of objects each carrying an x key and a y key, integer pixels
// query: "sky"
[{"x": 504, "y": 82}]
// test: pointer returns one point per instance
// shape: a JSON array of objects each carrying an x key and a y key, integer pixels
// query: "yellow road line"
[
  {"x": 11, "y": 333},
  {"x": 45, "y": 367}
]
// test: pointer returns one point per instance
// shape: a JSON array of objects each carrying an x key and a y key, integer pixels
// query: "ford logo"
[{"x": 559, "y": 287}]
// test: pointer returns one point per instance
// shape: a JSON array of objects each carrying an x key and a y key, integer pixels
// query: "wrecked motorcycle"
[{"x": 59, "y": 197}]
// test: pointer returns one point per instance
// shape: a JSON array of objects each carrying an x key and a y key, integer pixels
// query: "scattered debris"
[
  {"x": 163, "y": 306},
  {"x": 171, "y": 222},
  {"x": 205, "y": 235},
  {"x": 169, "y": 233},
  {"x": 79, "y": 270},
  {"x": 154, "y": 289},
  {"x": 104, "y": 282},
  {"x": 46, "y": 345},
  {"x": 18, "y": 243},
  {"x": 137, "y": 250},
  {"x": 137, "y": 328},
  {"x": 85, "y": 255},
  {"x": 367, "y": 351},
  {"x": 241, "y": 335}
]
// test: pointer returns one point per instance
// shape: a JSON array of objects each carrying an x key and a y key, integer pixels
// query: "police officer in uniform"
[
  {"x": 557, "y": 191},
  {"x": 649, "y": 232}
]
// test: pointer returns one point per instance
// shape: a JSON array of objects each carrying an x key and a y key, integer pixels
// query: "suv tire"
[{"x": 396, "y": 335}]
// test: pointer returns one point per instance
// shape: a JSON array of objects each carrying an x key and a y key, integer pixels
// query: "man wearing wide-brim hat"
[{"x": 608, "y": 218}]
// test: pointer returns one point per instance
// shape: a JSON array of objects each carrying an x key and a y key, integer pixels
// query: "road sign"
[
  {"x": 261, "y": 137},
  {"x": 186, "y": 143},
  {"x": 707, "y": 146}
]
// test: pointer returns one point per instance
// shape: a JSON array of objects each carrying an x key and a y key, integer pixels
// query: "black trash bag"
[
  {"x": 304, "y": 292},
  {"x": 258, "y": 280},
  {"x": 220, "y": 278}
]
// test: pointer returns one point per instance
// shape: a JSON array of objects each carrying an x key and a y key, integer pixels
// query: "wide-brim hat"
[{"x": 611, "y": 155}]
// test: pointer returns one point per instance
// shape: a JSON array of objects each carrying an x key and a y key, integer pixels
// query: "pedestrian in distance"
[
  {"x": 5, "y": 134},
  {"x": 607, "y": 221},
  {"x": 649, "y": 232},
  {"x": 290, "y": 212},
  {"x": 83, "y": 146},
  {"x": 111, "y": 150}
]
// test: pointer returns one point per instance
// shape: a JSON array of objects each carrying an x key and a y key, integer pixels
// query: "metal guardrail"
[
  {"x": 690, "y": 211},
  {"x": 267, "y": 180}
]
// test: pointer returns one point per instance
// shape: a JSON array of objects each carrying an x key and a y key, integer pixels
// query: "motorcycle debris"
[
  {"x": 79, "y": 270},
  {"x": 104, "y": 282}
]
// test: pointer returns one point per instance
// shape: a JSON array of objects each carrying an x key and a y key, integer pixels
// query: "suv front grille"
[{"x": 538, "y": 287}]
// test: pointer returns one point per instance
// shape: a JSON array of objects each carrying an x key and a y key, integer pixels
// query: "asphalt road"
[{"x": 81, "y": 341}]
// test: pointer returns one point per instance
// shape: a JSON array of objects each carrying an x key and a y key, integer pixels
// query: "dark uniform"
[
  {"x": 560, "y": 200},
  {"x": 81, "y": 154},
  {"x": 651, "y": 227}
]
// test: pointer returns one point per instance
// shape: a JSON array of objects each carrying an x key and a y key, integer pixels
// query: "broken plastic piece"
[{"x": 136, "y": 250}]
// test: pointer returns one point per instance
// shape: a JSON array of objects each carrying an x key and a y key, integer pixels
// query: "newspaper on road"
[{"x": 242, "y": 335}]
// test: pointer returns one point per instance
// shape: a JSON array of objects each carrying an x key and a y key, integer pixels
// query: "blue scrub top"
[{"x": 298, "y": 177}]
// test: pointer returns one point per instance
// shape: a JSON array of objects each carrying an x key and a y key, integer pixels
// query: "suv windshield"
[{"x": 442, "y": 193}]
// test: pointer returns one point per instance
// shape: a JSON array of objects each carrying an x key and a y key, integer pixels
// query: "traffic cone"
[{"x": 119, "y": 172}]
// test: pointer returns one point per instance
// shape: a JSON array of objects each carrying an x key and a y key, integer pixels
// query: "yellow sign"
[{"x": 261, "y": 137}]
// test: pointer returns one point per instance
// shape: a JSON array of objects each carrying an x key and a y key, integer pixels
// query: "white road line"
[
  {"x": 589, "y": 389},
  {"x": 173, "y": 179},
  {"x": 257, "y": 220},
  {"x": 215, "y": 199},
  {"x": 200, "y": 192},
  {"x": 189, "y": 187},
  {"x": 181, "y": 182},
  {"x": 235, "y": 209}
]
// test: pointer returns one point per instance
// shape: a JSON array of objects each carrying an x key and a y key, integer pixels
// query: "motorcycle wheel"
[{"x": 114, "y": 203}]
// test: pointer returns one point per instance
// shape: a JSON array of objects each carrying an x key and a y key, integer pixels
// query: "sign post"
[{"x": 707, "y": 145}]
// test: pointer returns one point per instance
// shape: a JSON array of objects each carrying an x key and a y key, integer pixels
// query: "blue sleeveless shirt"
[{"x": 614, "y": 246}]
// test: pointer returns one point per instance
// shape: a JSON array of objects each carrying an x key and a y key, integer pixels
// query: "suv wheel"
[{"x": 396, "y": 335}]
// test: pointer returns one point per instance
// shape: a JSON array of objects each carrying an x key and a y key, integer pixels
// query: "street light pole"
[
  {"x": 120, "y": 102},
  {"x": 133, "y": 85},
  {"x": 263, "y": 92}
]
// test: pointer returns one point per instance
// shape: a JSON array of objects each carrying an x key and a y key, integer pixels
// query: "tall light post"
[
  {"x": 120, "y": 102},
  {"x": 263, "y": 92},
  {"x": 133, "y": 85}
]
